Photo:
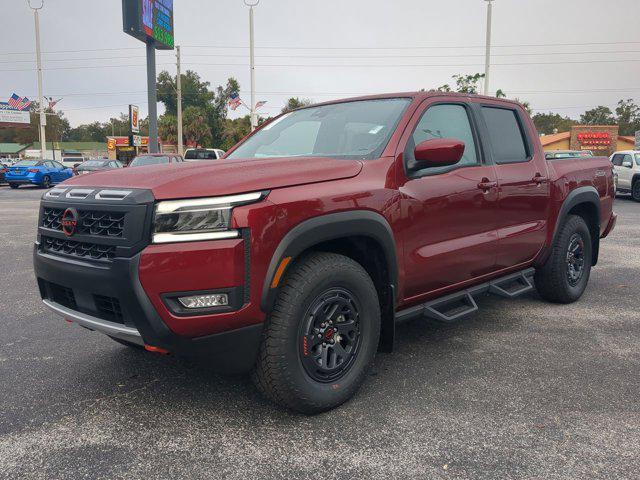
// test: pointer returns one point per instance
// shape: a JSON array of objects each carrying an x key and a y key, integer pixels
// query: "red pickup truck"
[{"x": 295, "y": 255}]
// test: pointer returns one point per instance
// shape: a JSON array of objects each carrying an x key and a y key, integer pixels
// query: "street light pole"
[
  {"x": 179, "y": 88},
  {"x": 487, "y": 60},
  {"x": 43, "y": 118},
  {"x": 254, "y": 120}
]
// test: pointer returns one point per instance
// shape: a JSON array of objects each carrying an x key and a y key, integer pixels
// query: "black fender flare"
[
  {"x": 363, "y": 223},
  {"x": 580, "y": 195}
]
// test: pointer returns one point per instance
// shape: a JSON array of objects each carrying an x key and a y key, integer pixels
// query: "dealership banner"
[{"x": 11, "y": 115}]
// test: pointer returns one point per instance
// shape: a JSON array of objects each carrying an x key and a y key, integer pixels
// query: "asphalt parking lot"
[{"x": 524, "y": 389}]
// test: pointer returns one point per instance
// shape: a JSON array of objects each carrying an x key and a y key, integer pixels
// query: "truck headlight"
[{"x": 198, "y": 219}]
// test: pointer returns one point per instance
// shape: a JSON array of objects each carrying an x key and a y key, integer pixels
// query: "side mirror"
[
  {"x": 438, "y": 152},
  {"x": 627, "y": 164}
]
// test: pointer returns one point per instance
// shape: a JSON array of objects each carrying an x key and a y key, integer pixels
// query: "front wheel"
[
  {"x": 321, "y": 336},
  {"x": 564, "y": 276}
]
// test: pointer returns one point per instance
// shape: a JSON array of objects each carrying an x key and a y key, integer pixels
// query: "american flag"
[
  {"x": 18, "y": 102},
  {"x": 260, "y": 103},
  {"x": 234, "y": 101},
  {"x": 52, "y": 102}
]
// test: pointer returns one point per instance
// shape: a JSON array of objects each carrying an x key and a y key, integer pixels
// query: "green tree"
[
  {"x": 168, "y": 128},
  {"x": 195, "y": 92},
  {"x": 600, "y": 115},
  {"x": 234, "y": 131},
  {"x": 628, "y": 117},
  {"x": 195, "y": 128},
  {"x": 295, "y": 102},
  {"x": 217, "y": 115},
  {"x": 547, "y": 123}
]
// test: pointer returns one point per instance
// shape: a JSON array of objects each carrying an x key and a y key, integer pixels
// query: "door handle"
[
  {"x": 486, "y": 184},
  {"x": 538, "y": 179}
]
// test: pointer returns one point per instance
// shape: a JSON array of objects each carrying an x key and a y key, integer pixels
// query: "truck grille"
[
  {"x": 105, "y": 224},
  {"x": 78, "y": 249}
]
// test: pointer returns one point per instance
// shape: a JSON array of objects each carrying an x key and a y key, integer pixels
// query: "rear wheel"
[
  {"x": 635, "y": 191},
  {"x": 322, "y": 335},
  {"x": 46, "y": 181},
  {"x": 564, "y": 276},
  {"x": 14, "y": 185}
]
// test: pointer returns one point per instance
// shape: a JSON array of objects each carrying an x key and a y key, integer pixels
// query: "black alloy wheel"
[
  {"x": 575, "y": 259},
  {"x": 330, "y": 335},
  {"x": 46, "y": 181}
]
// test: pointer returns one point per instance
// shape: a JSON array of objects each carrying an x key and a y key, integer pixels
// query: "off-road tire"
[
  {"x": 280, "y": 372},
  {"x": 14, "y": 185},
  {"x": 635, "y": 191},
  {"x": 552, "y": 280}
]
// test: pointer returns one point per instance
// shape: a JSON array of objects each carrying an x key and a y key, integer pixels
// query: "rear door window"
[{"x": 506, "y": 135}]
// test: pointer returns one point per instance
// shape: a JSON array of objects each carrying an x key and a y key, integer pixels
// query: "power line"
[
  {"x": 430, "y": 47},
  {"x": 224, "y": 55},
  {"x": 298, "y": 65}
]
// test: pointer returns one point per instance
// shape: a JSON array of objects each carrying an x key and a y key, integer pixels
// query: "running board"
[{"x": 460, "y": 304}]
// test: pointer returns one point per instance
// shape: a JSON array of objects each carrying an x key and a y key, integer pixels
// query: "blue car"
[{"x": 37, "y": 172}]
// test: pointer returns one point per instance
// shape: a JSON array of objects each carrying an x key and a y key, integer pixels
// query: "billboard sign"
[
  {"x": 149, "y": 20},
  {"x": 11, "y": 116},
  {"x": 134, "y": 119}
]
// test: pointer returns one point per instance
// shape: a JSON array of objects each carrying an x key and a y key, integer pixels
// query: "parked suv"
[
  {"x": 295, "y": 256},
  {"x": 626, "y": 167}
]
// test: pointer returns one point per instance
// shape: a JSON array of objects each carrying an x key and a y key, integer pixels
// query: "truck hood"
[{"x": 207, "y": 178}]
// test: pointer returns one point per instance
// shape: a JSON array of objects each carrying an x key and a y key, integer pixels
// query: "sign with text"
[
  {"x": 149, "y": 20},
  {"x": 11, "y": 116},
  {"x": 134, "y": 119}
]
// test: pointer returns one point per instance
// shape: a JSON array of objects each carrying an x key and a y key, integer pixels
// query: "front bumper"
[{"x": 110, "y": 298}]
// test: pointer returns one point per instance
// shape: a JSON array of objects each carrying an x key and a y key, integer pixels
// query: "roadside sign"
[
  {"x": 10, "y": 115},
  {"x": 149, "y": 20},
  {"x": 134, "y": 119},
  {"x": 136, "y": 140}
]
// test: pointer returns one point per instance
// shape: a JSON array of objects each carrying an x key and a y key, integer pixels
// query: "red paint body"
[{"x": 450, "y": 230}]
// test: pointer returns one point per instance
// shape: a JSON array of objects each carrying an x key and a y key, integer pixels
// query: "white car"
[{"x": 626, "y": 167}]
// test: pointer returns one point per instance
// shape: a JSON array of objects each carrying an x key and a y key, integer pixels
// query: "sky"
[{"x": 563, "y": 56}]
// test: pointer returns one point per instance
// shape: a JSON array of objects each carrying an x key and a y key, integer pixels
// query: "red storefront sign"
[{"x": 594, "y": 139}]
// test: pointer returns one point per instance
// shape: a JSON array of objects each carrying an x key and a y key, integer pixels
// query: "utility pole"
[
  {"x": 179, "y": 86},
  {"x": 487, "y": 60},
  {"x": 152, "y": 95},
  {"x": 43, "y": 118},
  {"x": 254, "y": 120}
]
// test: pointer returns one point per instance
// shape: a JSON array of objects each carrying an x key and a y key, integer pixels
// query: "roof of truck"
[{"x": 414, "y": 95}]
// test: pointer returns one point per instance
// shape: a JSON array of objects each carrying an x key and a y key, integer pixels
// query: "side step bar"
[{"x": 460, "y": 304}]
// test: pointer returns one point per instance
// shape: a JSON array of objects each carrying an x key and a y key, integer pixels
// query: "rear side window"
[{"x": 506, "y": 136}]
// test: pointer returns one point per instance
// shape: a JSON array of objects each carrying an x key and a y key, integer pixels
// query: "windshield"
[
  {"x": 93, "y": 163},
  {"x": 28, "y": 163},
  {"x": 359, "y": 130},
  {"x": 148, "y": 160}
]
